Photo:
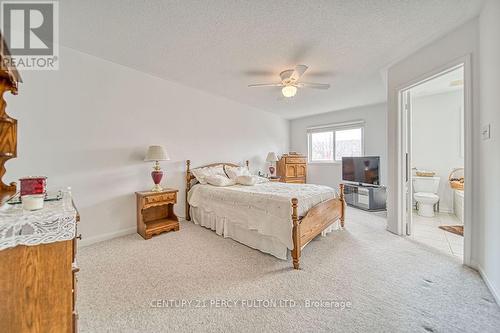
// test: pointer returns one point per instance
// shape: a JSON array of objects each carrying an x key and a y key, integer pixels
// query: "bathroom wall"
[{"x": 437, "y": 138}]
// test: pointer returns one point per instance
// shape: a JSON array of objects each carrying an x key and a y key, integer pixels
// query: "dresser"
[
  {"x": 38, "y": 270},
  {"x": 38, "y": 283},
  {"x": 155, "y": 212},
  {"x": 292, "y": 168}
]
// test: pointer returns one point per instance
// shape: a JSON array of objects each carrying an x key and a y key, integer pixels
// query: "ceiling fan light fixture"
[{"x": 289, "y": 91}]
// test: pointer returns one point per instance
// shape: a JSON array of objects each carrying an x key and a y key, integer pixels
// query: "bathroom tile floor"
[{"x": 426, "y": 231}]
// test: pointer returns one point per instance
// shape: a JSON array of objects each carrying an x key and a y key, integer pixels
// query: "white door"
[{"x": 408, "y": 188}]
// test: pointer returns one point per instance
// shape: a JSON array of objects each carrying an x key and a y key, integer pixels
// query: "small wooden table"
[
  {"x": 274, "y": 179},
  {"x": 155, "y": 212}
]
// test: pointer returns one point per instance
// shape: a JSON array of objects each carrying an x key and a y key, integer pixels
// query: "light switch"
[{"x": 485, "y": 132}]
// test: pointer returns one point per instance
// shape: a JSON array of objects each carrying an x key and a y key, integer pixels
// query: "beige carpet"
[{"x": 394, "y": 285}]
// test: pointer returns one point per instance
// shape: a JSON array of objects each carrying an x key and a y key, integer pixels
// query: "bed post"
[
  {"x": 295, "y": 234},
  {"x": 188, "y": 187},
  {"x": 342, "y": 209}
]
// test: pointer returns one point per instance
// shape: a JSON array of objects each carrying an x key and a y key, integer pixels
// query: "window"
[
  {"x": 322, "y": 146},
  {"x": 348, "y": 143},
  {"x": 331, "y": 143}
]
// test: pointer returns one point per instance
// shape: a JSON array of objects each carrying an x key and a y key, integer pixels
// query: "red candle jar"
[{"x": 33, "y": 185}]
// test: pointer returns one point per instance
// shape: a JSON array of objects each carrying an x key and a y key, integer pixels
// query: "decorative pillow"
[
  {"x": 260, "y": 180},
  {"x": 202, "y": 173},
  {"x": 246, "y": 180},
  {"x": 218, "y": 180},
  {"x": 234, "y": 172}
]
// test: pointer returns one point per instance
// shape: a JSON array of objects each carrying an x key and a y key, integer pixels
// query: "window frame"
[{"x": 334, "y": 128}]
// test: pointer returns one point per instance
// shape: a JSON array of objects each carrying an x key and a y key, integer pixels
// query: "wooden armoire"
[{"x": 292, "y": 168}]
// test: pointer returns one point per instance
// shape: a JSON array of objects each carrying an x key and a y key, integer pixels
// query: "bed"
[{"x": 273, "y": 217}]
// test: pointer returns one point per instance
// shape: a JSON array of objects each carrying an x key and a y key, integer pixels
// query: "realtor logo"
[{"x": 31, "y": 32}]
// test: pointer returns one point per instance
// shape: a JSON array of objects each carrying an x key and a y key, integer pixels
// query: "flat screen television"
[{"x": 363, "y": 170}]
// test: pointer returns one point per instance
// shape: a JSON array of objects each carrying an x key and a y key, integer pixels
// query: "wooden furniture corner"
[
  {"x": 155, "y": 212},
  {"x": 314, "y": 222},
  {"x": 9, "y": 79},
  {"x": 41, "y": 284}
]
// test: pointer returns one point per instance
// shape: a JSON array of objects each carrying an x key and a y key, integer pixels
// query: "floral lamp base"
[{"x": 271, "y": 170}]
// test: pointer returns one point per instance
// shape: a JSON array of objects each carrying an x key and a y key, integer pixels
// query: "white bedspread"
[{"x": 265, "y": 208}]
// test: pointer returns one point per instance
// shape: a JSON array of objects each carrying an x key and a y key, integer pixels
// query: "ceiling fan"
[{"x": 290, "y": 82}]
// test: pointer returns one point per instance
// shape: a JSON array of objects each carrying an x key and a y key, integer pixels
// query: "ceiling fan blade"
[
  {"x": 313, "y": 85},
  {"x": 266, "y": 85},
  {"x": 298, "y": 72},
  {"x": 258, "y": 72}
]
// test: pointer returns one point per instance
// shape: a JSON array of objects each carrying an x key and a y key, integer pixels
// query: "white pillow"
[
  {"x": 234, "y": 172},
  {"x": 246, "y": 180},
  {"x": 218, "y": 180},
  {"x": 202, "y": 173},
  {"x": 260, "y": 180}
]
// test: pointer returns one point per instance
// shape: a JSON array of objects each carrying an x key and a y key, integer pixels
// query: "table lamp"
[
  {"x": 156, "y": 154},
  {"x": 271, "y": 157}
]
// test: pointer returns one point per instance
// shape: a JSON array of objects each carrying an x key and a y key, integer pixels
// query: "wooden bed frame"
[{"x": 305, "y": 228}]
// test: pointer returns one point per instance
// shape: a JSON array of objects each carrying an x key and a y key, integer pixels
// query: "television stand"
[{"x": 366, "y": 197}]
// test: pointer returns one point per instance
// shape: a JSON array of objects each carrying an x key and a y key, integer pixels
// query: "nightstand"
[
  {"x": 274, "y": 179},
  {"x": 155, "y": 212}
]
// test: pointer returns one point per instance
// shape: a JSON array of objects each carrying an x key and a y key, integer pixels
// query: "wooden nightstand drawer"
[
  {"x": 295, "y": 160},
  {"x": 170, "y": 197}
]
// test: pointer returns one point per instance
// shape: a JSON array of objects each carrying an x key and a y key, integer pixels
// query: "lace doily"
[{"x": 53, "y": 223}]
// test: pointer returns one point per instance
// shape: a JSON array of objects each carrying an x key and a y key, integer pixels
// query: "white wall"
[
  {"x": 433, "y": 57},
  {"x": 375, "y": 135},
  {"x": 436, "y": 138},
  {"x": 489, "y": 151},
  {"x": 479, "y": 39},
  {"x": 88, "y": 126}
]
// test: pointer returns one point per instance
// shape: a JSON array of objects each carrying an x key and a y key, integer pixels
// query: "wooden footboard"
[{"x": 316, "y": 220}]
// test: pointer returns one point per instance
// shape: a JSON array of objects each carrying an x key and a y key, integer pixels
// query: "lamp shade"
[
  {"x": 156, "y": 153},
  {"x": 271, "y": 157}
]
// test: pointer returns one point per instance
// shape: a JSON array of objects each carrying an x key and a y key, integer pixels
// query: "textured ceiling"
[{"x": 222, "y": 46}]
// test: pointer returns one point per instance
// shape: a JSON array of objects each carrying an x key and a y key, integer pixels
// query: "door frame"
[
  {"x": 468, "y": 136},
  {"x": 406, "y": 129}
]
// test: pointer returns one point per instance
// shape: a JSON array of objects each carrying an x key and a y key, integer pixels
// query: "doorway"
[{"x": 434, "y": 149}]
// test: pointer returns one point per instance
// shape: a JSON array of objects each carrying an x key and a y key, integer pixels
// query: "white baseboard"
[
  {"x": 490, "y": 286},
  {"x": 86, "y": 241}
]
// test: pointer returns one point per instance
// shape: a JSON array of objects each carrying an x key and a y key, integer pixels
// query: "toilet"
[{"x": 425, "y": 189}]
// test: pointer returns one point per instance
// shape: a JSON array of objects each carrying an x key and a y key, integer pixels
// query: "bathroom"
[{"x": 437, "y": 161}]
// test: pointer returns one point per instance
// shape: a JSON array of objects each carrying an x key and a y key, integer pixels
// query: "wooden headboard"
[
  {"x": 190, "y": 178},
  {"x": 9, "y": 79}
]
